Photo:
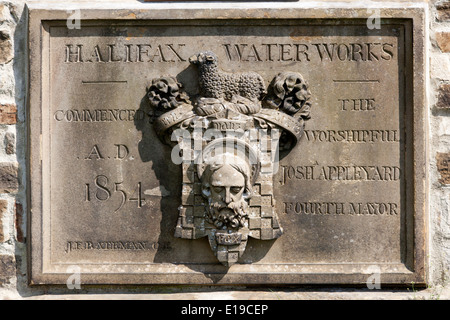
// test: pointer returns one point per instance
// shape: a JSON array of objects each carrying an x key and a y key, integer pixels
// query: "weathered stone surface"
[
  {"x": 108, "y": 196},
  {"x": 7, "y": 269},
  {"x": 9, "y": 180},
  {"x": 443, "y": 167},
  {"x": 444, "y": 97},
  {"x": 10, "y": 143},
  {"x": 3, "y": 233},
  {"x": 432, "y": 293},
  {"x": 443, "y": 11},
  {"x": 6, "y": 50},
  {"x": 8, "y": 12},
  {"x": 439, "y": 65}
]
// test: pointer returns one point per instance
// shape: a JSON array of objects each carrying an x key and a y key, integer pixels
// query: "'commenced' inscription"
[{"x": 98, "y": 115}]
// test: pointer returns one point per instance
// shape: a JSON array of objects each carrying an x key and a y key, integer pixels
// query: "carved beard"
[{"x": 223, "y": 216}]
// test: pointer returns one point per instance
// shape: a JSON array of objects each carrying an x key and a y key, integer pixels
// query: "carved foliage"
[
  {"x": 289, "y": 93},
  {"x": 166, "y": 94}
]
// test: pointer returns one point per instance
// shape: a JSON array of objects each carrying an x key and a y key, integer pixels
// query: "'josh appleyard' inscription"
[{"x": 340, "y": 173}]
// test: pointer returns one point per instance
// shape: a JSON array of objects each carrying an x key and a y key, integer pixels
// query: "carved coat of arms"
[{"x": 227, "y": 140}]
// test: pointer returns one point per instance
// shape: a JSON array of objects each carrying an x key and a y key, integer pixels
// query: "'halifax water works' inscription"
[{"x": 245, "y": 52}]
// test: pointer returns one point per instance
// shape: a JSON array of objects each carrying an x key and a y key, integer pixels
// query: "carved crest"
[{"x": 227, "y": 141}]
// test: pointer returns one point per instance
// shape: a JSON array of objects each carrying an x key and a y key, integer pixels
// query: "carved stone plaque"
[{"x": 172, "y": 147}]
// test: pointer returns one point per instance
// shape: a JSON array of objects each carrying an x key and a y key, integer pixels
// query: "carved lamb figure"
[{"x": 218, "y": 84}]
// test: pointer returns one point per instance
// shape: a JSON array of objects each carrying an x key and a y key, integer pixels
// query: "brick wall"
[
  {"x": 12, "y": 98},
  {"x": 439, "y": 106}
]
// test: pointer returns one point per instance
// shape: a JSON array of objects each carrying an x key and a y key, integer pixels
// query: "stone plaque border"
[{"x": 413, "y": 269}]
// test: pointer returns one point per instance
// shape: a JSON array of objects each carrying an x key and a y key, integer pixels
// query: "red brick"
[
  {"x": 8, "y": 114},
  {"x": 19, "y": 222},
  {"x": 443, "y": 41}
]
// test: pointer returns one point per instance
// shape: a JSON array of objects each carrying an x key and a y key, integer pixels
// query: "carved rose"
[
  {"x": 166, "y": 93},
  {"x": 289, "y": 93}
]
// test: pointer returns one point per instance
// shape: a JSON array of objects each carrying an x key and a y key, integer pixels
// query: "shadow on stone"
[{"x": 194, "y": 254}]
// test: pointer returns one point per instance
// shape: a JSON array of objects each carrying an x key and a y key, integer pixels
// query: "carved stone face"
[
  {"x": 227, "y": 184},
  {"x": 227, "y": 205}
]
